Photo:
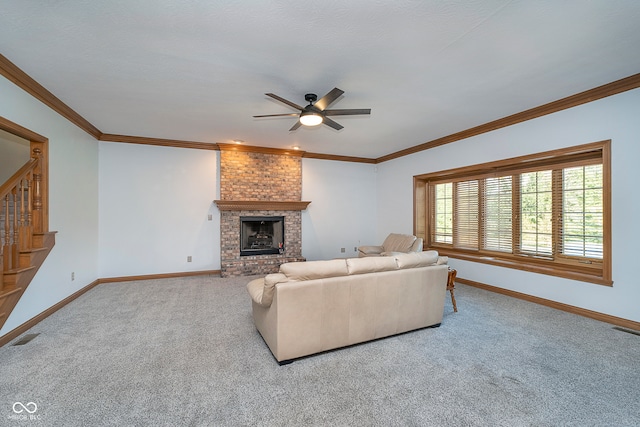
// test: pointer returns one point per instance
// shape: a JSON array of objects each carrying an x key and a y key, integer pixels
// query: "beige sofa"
[
  {"x": 393, "y": 244},
  {"x": 310, "y": 307}
]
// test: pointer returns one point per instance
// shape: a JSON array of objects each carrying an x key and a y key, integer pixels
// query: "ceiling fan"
[{"x": 316, "y": 112}]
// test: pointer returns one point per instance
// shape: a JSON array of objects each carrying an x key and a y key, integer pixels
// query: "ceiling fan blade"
[
  {"x": 296, "y": 126},
  {"x": 289, "y": 103},
  {"x": 326, "y": 100},
  {"x": 327, "y": 121},
  {"x": 278, "y": 115},
  {"x": 347, "y": 112}
]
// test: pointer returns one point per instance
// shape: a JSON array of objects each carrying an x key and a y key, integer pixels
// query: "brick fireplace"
[{"x": 259, "y": 184}]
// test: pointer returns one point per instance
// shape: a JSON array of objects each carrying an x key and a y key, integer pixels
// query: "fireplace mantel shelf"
[{"x": 255, "y": 205}]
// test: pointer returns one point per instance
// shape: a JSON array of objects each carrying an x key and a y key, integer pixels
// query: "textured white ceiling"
[{"x": 197, "y": 70}]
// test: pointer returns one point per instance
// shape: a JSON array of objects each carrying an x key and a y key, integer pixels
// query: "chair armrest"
[
  {"x": 391, "y": 253},
  {"x": 369, "y": 250},
  {"x": 417, "y": 245}
]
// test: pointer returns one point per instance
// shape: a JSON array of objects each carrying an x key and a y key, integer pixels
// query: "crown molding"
[
  {"x": 320, "y": 156},
  {"x": 256, "y": 149},
  {"x": 258, "y": 205},
  {"x": 108, "y": 137},
  {"x": 609, "y": 89},
  {"x": 35, "y": 89},
  {"x": 22, "y": 80},
  {"x": 282, "y": 152},
  {"x": 22, "y": 132}
]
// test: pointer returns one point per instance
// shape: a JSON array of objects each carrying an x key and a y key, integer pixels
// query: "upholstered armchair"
[{"x": 393, "y": 244}]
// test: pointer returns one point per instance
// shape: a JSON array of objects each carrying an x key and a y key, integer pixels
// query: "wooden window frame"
[{"x": 588, "y": 270}]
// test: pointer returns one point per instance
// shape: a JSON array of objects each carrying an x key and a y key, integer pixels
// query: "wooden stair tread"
[
  {"x": 9, "y": 291},
  {"x": 31, "y": 250},
  {"x": 14, "y": 282},
  {"x": 48, "y": 233},
  {"x": 18, "y": 270}
]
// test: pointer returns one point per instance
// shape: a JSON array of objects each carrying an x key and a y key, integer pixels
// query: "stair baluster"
[
  {"x": 4, "y": 204},
  {"x": 14, "y": 225},
  {"x": 6, "y": 250}
]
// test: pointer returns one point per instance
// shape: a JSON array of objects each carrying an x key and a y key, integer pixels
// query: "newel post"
[{"x": 38, "y": 219}]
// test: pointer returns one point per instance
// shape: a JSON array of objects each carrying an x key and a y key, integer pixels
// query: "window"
[
  {"x": 582, "y": 212},
  {"x": 497, "y": 214},
  {"x": 443, "y": 213},
  {"x": 547, "y": 213},
  {"x": 536, "y": 225},
  {"x": 467, "y": 214}
]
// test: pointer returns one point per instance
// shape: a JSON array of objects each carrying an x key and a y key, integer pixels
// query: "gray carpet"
[{"x": 185, "y": 352}]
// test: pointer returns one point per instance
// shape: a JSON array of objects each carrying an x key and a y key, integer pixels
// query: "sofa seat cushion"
[
  {"x": 398, "y": 242},
  {"x": 371, "y": 264},
  {"x": 311, "y": 270},
  {"x": 416, "y": 259}
]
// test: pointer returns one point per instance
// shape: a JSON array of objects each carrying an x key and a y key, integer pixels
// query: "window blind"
[
  {"x": 552, "y": 208},
  {"x": 466, "y": 214}
]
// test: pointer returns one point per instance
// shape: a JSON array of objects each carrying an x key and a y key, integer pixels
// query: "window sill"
[{"x": 529, "y": 265}]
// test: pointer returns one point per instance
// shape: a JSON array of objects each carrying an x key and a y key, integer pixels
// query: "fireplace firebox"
[{"x": 261, "y": 235}]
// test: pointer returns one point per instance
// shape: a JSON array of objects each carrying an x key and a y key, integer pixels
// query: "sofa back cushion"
[
  {"x": 398, "y": 242},
  {"x": 371, "y": 264},
  {"x": 311, "y": 270},
  {"x": 416, "y": 259}
]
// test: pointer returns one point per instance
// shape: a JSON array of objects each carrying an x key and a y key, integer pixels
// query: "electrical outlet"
[
  {"x": 355, "y": 249},
  {"x": 73, "y": 275},
  {"x": 189, "y": 258},
  {"x": 210, "y": 217},
  {"x": 342, "y": 250}
]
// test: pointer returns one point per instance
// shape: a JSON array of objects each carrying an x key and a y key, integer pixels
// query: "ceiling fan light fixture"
[
  {"x": 316, "y": 112},
  {"x": 309, "y": 118}
]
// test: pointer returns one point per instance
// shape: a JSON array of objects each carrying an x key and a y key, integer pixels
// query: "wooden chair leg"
[{"x": 451, "y": 284}]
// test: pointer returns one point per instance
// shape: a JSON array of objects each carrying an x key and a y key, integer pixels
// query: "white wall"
[
  {"x": 342, "y": 212},
  {"x": 154, "y": 203},
  {"x": 146, "y": 209},
  {"x": 154, "y": 207},
  {"x": 73, "y": 204},
  {"x": 614, "y": 118},
  {"x": 14, "y": 153}
]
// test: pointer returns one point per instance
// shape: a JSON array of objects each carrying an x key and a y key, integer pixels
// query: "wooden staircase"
[
  {"x": 16, "y": 280},
  {"x": 25, "y": 241}
]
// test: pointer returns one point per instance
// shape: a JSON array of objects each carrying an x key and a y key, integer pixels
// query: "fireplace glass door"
[{"x": 260, "y": 235}]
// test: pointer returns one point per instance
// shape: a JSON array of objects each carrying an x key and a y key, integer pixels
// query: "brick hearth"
[{"x": 258, "y": 184}]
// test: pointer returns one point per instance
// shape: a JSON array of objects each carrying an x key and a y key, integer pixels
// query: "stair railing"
[{"x": 20, "y": 213}]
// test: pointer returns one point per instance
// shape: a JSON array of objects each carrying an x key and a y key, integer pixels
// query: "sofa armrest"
[
  {"x": 262, "y": 289},
  {"x": 256, "y": 288},
  {"x": 369, "y": 250}
]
